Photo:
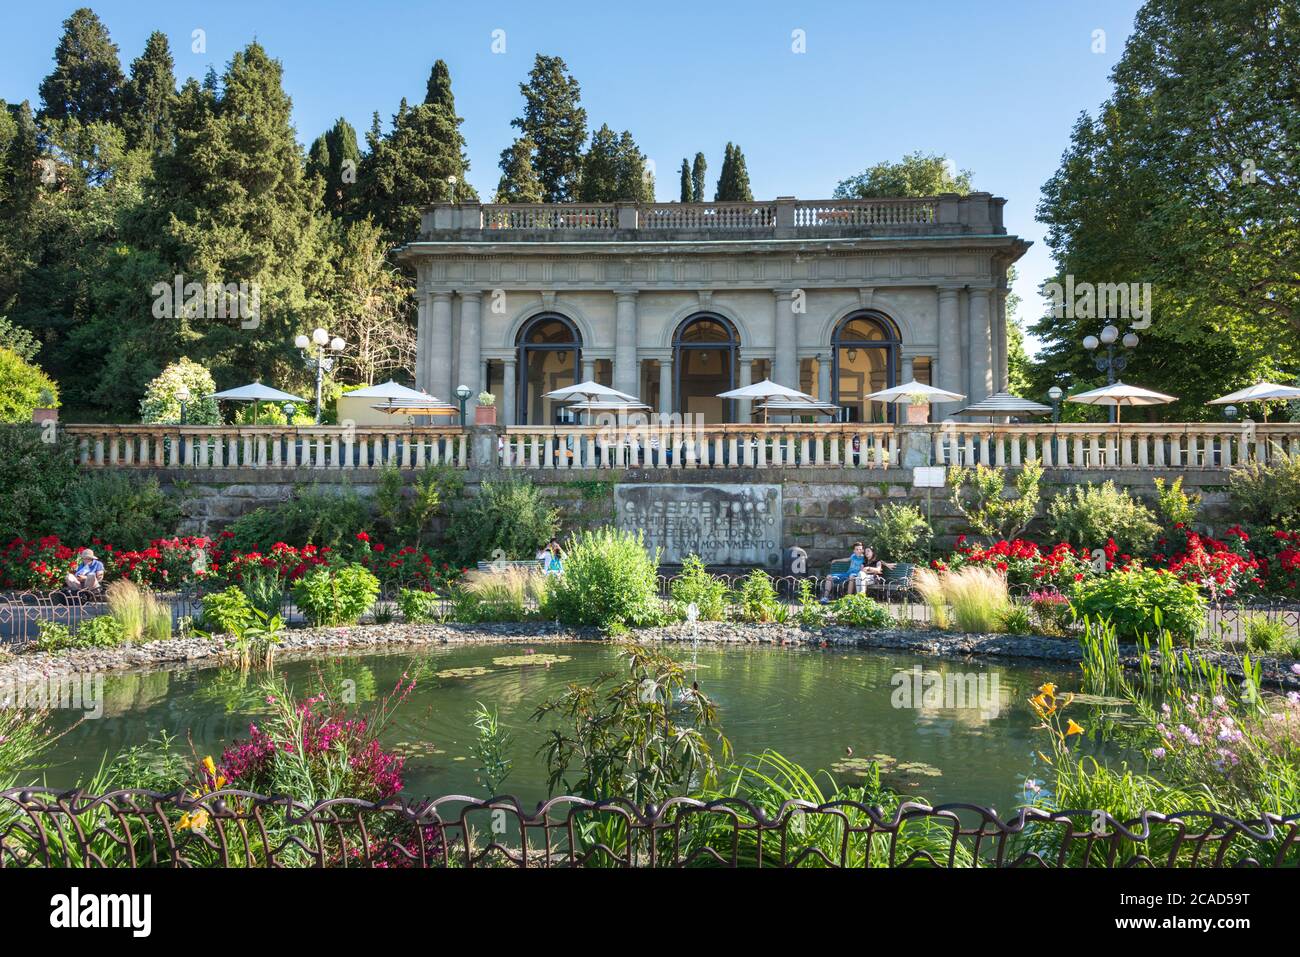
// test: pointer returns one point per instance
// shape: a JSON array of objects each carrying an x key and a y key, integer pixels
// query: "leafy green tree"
[
  {"x": 336, "y": 158},
  {"x": 19, "y": 340},
  {"x": 916, "y": 174},
  {"x": 1187, "y": 178},
  {"x": 557, "y": 125},
  {"x": 733, "y": 181},
  {"x": 633, "y": 179},
  {"x": 24, "y": 388},
  {"x": 519, "y": 182},
  {"x": 35, "y": 475},
  {"x": 87, "y": 79},
  {"x": 368, "y": 301},
  {"x": 160, "y": 402},
  {"x": 599, "y": 180},
  {"x": 698, "y": 168},
  {"x": 149, "y": 97}
]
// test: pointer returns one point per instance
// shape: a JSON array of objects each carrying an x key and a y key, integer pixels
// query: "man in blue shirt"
[
  {"x": 89, "y": 573},
  {"x": 856, "y": 561}
]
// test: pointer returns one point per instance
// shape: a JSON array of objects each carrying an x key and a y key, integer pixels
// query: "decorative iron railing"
[{"x": 234, "y": 828}]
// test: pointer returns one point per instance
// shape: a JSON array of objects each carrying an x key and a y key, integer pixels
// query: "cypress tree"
[
  {"x": 87, "y": 77},
  {"x": 686, "y": 182},
  {"x": 600, "y": 168},
  {"x": 519, "y": 182},
  {"x": 557, "y": 125},
  {"x": 150, "y": 97},
  {"x": 335, "y": 157},
  {"x": 633, "y": 181},
  {"x": 722, "y": 192},
  {"x": 740, "y": 189},
  {"x": 698, "y": 169}
]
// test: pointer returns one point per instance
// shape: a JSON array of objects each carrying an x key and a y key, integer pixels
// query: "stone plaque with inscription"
[{"x": 723, "y": 524}]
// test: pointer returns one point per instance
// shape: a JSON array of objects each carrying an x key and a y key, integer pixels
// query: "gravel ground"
[{"x": 361, "y": 639}]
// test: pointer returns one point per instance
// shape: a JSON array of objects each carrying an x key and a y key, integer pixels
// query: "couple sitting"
[
  {"x": 551, "y": 557},
  {"x": 864, "y": 569}
]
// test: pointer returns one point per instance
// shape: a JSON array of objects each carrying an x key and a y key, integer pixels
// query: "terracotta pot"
[
  {"x": 485, "y": 415},
  {"x": 918, "y": 414}
]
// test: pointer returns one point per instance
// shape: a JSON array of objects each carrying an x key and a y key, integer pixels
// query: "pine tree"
[
  {"x": 686, "y": 182},
  {"x": 557, "y": 125},
  {"x": 698, "y": 169},
  {"x": 335, "y": 157},
  {"x": 410, "y": 167},
  {"x": 733, "y": 182},
  {"x": 600, "y": 168},
  {"x": 519, "y": 182},
  {"x": 149, "y": 97},
  {"x": 633, "y": 181},
  {"x": 726, "y": 177},
  {"x": 87, "y": 77}
]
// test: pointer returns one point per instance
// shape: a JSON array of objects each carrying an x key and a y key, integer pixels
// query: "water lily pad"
[
  {"x": 519, "y": 660},
  {"x": 472, "y": 672}
]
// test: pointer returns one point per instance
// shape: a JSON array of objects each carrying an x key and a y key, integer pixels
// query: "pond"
[{"x": 976, "y": 744}]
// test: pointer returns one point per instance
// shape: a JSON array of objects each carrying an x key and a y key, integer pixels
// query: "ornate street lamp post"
[
  {"x": 318, "y": 341},
  {"x": 463, "y": 392},
  {"x": 1055, "y": 393},
  {"x": 1111, "y": 363}
]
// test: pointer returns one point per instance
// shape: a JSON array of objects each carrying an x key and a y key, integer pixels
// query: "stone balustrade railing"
[
  {"x": 267, "y": 447},
  {"x": 783, "y": 216},
  {"x": 1079, "y": 446}
]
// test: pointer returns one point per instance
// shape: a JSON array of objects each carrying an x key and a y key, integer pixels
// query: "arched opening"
[
  {"x": 864, "y": 351},
  {"x": 704, "y": 357},
  {"x": 550, "y": 355}
]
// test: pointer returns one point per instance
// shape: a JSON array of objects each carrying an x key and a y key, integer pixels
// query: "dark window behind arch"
[
  {"x": 705, "y": 353},
  {"x": 864, "y": 350},
  {"x": 549, "y": 350}
]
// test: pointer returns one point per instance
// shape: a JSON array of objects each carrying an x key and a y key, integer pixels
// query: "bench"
[{"x": 530, "y": 564}]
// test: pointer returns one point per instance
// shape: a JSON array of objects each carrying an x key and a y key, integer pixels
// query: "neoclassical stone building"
[{"x": 676, "y": 302}]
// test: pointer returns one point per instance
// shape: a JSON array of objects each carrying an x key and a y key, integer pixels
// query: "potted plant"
[
  {"x": 918, "y": 409},
  {"x": 900, "y": 534},
  {"x": 485, "y": 413},
  {"x": 46, "y": 407}
]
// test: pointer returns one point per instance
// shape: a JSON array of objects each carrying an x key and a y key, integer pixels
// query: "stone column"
[
  {"x": 1000, "y": 369},
  {"x": 981, "y": 345},
  {"x": 908, "y": 372},
  {"x": 665, "y": 385},
  {"x": 471, "y": 340},
  {"x": 627, "y": 376},
  {"x": 746, "y": 377},
  {"x": 508, "y": 382},
  {"x": 824, "y": 378},
  {"x": 440, "y": 383},
  {"x": 422, "y": 343},
  {"x": 949, "y": 372},
  {"x": 588, "y": 370},
  {"x": 785, "y": 361}
]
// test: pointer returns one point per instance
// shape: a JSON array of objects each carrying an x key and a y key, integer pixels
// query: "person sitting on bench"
[
  {"x": 872, "y": 571},
  {"x": 88, "y": 575},
  {"x": 856, "y": 562}
]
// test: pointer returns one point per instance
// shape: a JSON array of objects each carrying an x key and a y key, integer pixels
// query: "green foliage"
[
  {"x": 253, "y": 640},
  {"x": 1016, "y": 620},
  {"x": 609, "y": 580},
  {"x": 647, "y": 737},
  {"x": 160, "y": 403},
  {"x": 811, "y": 612},
  {"x": 512, "y": 516},
  {"x": 263, "y": 588},
  {"x": 405, "y": 518},
  {"x": 1141, "y": 602},
  {"x": 336, "y": 596},
  {"x": 899, "y": 533},
  {"x": 35, "y": 477},
  {"x": 419, "y": 607},
  {"x": 984, "y": 506},
  {"x": 695, "y": 584},
  {"x": 1271, "y": 636},
  {"x": 756, "y": 598},
  {"x": 1088, "y": 515},
  {"x": 699, "y": 167},
  {"x": 228, "y": 611},
  {"x": 614, "y": 169},
  {"x": 1173, "y": 505},
  {"x": 490, "y": 746},
  {"x": 101, "y": 631},
  {"x": 733, "y": 180},
  {"x": 24, "y": 388},
  {"x": 916, "y": 175},
  {"x": 16, "y": 338},
  {"x": 557, "y": 125},
  {"x": 1267, "y": 495},
  {"x": 319, "y": 515},
  {"x": 87, "y": 76},
  {"x": 519, "y": 182},
  {"x": 861, "y": 611},
  {"x": 127, "y": 510},
  {"x": 138, "y": 612}
]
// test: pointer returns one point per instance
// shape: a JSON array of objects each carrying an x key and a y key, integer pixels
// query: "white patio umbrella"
[
  {"x": 606, "y": 405},
  {"x": 587, "y": 390},
  {"x": 795, "y": 407},
  {"x": 767, "y": 391},
  {"x": 1004, "y": 403},
  {"x": 904, "y": 393},
  {"x": 1119, "y": 395},
  {"x": 256, "y": 393},
  {"x": 1259, "y": 392}
]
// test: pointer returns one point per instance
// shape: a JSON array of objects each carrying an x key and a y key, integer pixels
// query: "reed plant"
[{"x": 971, "y": 599}]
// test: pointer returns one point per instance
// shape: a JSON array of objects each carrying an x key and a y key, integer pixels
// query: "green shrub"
[
  {"x": 861, "y": 611},
  {"x": 1141, "y": 602},
  {"x": 507, "y": 594},
  {"x": 138, "y": 611},
  {"x": 226, "y": 612},
  {"x": 899, "y": 533},
  {"x": 405, "y": 518},
  {"x": 756, "y": 598},
  {"x": 977, "y": 597},
  {"x": 102, "y": 631},
  {"x": 985, "y": 506},
  {"x": 263, "y": 588},
  {"x": 315, "y": 515},
  {"x": 695, "y": 584},
  {"x": 1016, "y": 620},
  {"x": 511, "y": 516},
  {"x": 1174, "y": 506},
  {"x": 23, "y": 387},
  {"x": 811, "y": 611},
  {"x": 160, "y": 403},
  {"x": 127, "y": 510},
  {"x": 419, "y": 607},
  {"x": 1267, "y": 495},
  {"x": 53, "y": 636},
  {"x": 336, "y": 596},
  {"x": 35, "y": 476},
  {"x": 1271, "y": 636},
  {"x": 609, "y": 580},
  {"x": 1088, "y": 515}
]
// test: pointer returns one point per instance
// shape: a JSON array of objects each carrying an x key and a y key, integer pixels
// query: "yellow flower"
[
  {"x": 1048, "y": 689},
  {"x": 210, "y": 766},
  {"x": 1044, "y": 757},
  {"x": 196, "y": 820},
  {"x": 1043, "y": 705},
  {"x": 1073, "y": 727}
]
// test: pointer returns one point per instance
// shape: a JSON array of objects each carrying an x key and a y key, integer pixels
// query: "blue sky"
[{"x": 996, "y": 85}]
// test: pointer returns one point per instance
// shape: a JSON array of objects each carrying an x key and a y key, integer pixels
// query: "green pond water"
[{"x": 811, "y": 705}]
